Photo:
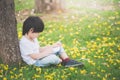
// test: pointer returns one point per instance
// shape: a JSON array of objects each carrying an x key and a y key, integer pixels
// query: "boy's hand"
[
  {"x": 57, "y": 44},
  {"x": 49, "y": 49}
]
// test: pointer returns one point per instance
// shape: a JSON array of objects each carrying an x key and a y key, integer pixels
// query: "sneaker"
[{"x": 72, "y": 63}]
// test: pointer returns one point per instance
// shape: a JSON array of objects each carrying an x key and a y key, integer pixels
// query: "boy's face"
[{"x": 33, "y": 35}]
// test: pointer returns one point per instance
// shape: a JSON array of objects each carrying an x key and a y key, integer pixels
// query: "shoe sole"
[{"x": 80, "y": 65}]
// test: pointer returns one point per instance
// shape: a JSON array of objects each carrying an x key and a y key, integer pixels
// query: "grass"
[
  {"x": 23, "y": 4},
  {"x": 92, "y": 37}
]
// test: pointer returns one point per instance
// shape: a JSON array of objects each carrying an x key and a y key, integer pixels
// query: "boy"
[{"x": 33, "y": 54}]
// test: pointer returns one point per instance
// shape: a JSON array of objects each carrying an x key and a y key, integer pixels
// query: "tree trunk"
[
  {"x": 39, "y": 6},
  {"x": 49, "y": 5},
  {"x": 59, "y": 5},
  {"x": 9, "y": 45}
]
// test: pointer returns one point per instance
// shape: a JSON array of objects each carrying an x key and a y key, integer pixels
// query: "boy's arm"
[
  {"x": 42, "y": 48},
  {"x": 43, "y": 53},
  {"x": 57, "y": 44}
]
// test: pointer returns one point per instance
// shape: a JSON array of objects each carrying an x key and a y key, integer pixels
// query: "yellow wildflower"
[
  {"x": 19, "y": 34},
  {"x": 38, "y": 69},
  {"x": 91, "y": 62},
  {"x": 11, "y": 77},
  {"x": 98, "y": 75},
  {"x": 48, "y": 77},
  {"x": 4, "y": 78},
  {"x": 104, "y": 78},
  {"x": 36, "y": 76},
  {"x": 83, "y": 72},
  {"x": 5, "y": 67},
  {"x": 114, "y": 78},
  {"x": 72, "y": 68},
  {"x": 92, "y": 73}
]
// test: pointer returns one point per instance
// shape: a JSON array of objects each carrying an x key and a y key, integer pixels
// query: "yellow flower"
[
  {"x": 11, "y": 77},
  {"x": 98, "y": 39},
  {"x": 108, "y": 65},
  {"x": 38, "y": 69},
  {"x": 91, "y": 62},
  {"x": 83, "y": 72},
  {"x": 50, "y": 31},
  {"x": 108, "y": 33},
  {"x": 111, "y": 61},
  {"x": 102, "y": 70},
  {"x": 48, "y": 77},
  {"x": 71, "y": 34},
  {"x": 59, "y": 65},
  {"x": 20, "y": 70},
  {"x": 83, "y": 49},
  {"x": 92, "y": 73},
  {"x": 72, "y": 68},
  {"x": 19, "y": 34},
  {"x": 11, "y": 72},
  {"x": 118, "y": 22},
  {"x": 5, "y": 67},
  {"x": 98, "y": 75},
  {"x": 20, "y": 75},
  {"x": 116, "y": 13},
  {"x": 112, "y": 18},
  {"x": 119, "y": 47},
  {"x": 109, "y": 27},
  {"x": 104, "y": 78},
  {"x": 89, "y": 26},
  {"x": 74, "y": 56},
  {"x": 114, "y": 78},
  {"x": 76, "y": 32},
  {"x": 36, "y": 76},
  {"x": 4, "y": 78},
  {"x": 63, "y": 77},
  {"x": 118, "y": 61},
  {"x": 83, "y": 56},
  {"x": 105, "y": 39},
  {"x": 118, "y": 28},
  {"x": 81, "y": 20},
  {"x": 16, "y": 76},
  {"x": 14, "y": 69}
]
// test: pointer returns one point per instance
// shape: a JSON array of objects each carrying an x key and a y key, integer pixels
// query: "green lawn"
[{"x": 91, "y": 36}]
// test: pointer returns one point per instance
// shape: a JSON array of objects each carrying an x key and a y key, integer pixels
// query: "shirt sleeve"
[{"x": 26, "y": 49}]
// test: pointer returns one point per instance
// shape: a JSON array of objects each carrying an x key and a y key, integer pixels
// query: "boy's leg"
[
  {"x": 51, "y": 59},
  {"x": 66, "y": 61},
  {"x": 60, "y": 51}
]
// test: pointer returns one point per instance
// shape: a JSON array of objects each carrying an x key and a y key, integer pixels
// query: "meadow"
[{"x": 89, "y": 35}]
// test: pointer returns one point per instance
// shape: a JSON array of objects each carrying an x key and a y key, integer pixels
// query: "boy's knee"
[{"x": 55, "y": 59}]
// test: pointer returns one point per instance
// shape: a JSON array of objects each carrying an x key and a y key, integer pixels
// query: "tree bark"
[
  {"x": 49, "y": 5},
  {"x": 59, "y": 5},
  {"x": 9, "y": 45},
  {"x": 39, "y": 6}
]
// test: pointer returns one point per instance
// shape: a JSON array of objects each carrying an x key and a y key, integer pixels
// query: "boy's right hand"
[
  {"x": 57, "y": 44},
  {"x": 49, "y": 49}
]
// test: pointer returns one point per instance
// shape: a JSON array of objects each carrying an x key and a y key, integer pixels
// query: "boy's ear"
[{"x": 31, "y": 29}]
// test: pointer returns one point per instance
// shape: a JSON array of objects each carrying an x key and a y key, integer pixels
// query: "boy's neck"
[{"x": 29, "y": 38}]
